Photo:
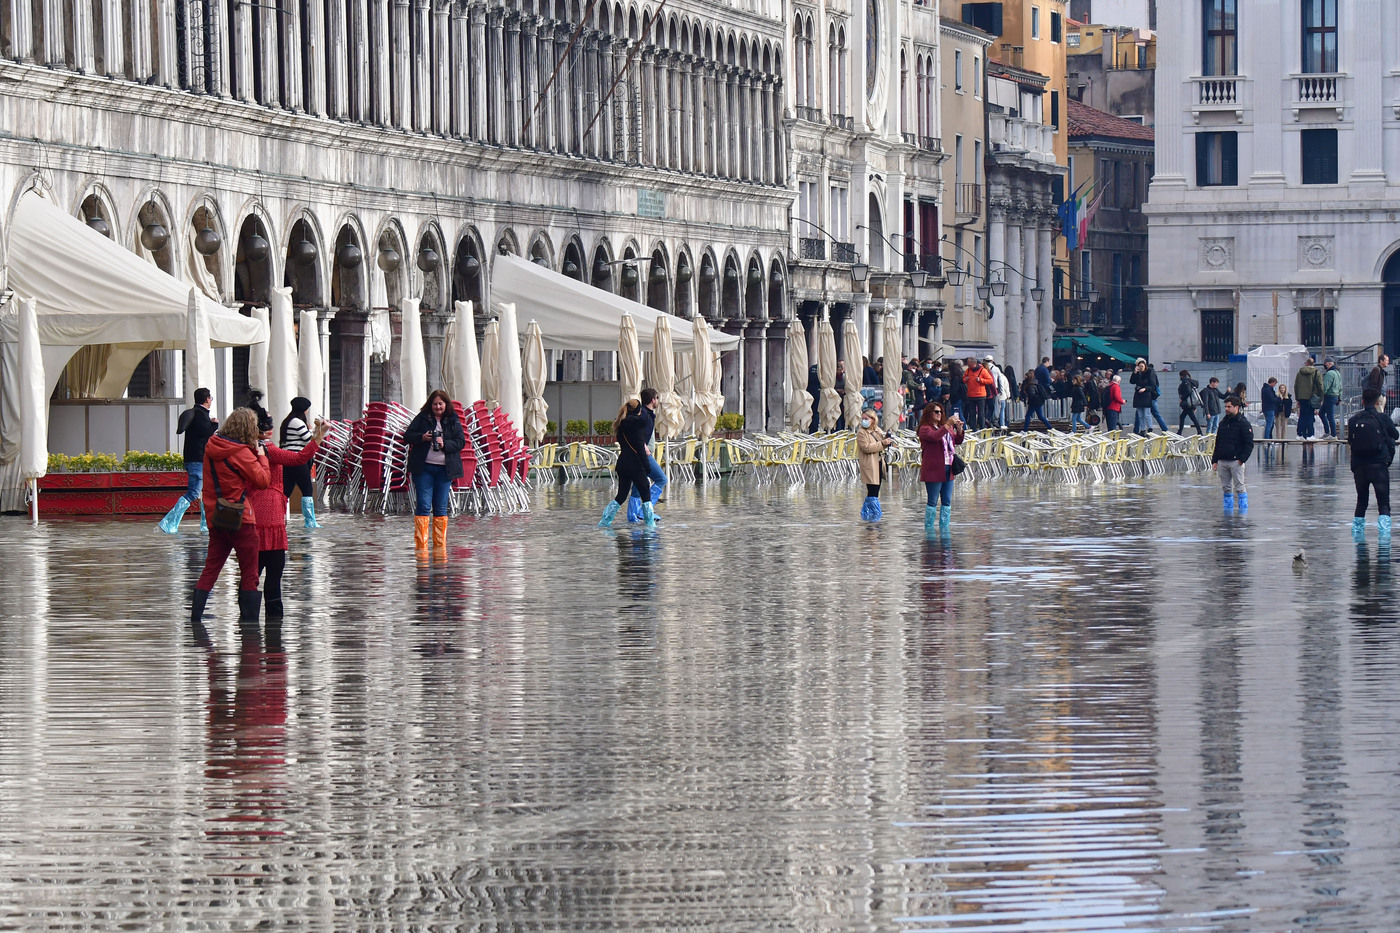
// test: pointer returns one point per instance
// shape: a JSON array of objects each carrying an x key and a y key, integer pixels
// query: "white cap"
[{"x": 989, "y": 357}]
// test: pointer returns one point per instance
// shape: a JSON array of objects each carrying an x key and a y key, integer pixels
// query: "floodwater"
[{"x": 1091, "y": 708}]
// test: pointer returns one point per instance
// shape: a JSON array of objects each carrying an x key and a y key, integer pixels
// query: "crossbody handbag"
[{"x": 228, "y": 514}]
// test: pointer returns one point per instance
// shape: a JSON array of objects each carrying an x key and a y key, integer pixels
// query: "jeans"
[
  {"x": 657, "y": 477},
  {"x": 1269, "y": 425},
  {"x": 1076, "y": 418},
  {"x": 1140, "y": 419},
  {"x": 1367, "y": 474},
  {"x": 1157, "y": 413},
  {"x": 1212, "y": 424},
  {"x": 1035, "y": 412},
  {"x": 432, "y": 489},
  {"x": 1329, "y": 414},
  {"x": 1111, "y": 419},
  {"x": 943, "y": 490},
  {"x": 194, "y": 474},
  {"x": 1305, "y": 417},
  {"x": 1001, "y": 406}
]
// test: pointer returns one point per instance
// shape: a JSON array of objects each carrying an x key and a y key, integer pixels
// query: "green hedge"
[{"x": 110, "y": 463}]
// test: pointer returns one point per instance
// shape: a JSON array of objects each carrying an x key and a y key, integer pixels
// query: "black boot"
[
  {"x": 249, "y": 601},
  {"x": 274, "y": 608},
  {"x": 201, "y": 599}
]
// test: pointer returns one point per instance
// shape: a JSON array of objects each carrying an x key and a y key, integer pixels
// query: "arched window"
[
  {"x": 904, "y": 91},
  {"x": 799, "y": 64}
]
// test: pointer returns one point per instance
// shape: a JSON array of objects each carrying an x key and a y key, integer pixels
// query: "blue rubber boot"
[
  {"x": 1383, "y": 523},
  {"x": 930, "y": 517},
  {"x": 634, "y": 509},
  {"x": 1358, "y": 529},
  {"x": 1242, "y": 502},
  {"x": 945, "y": 518},
  {"x": 648, "y": 516},
  {"x": 656, "y": 490},
  {"x": 608, "y": 514},
  {"x": 170, "y": 524},
  {"x": 870, "y": 509},
  {"x": 203, "y": 525},
  {"x": 1229, "y": 502},
  {"x": 308, "y": 513}
]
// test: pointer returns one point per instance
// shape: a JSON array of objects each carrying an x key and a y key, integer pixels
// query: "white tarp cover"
[
  {"x": 491, "y": 365},
  {"x": 1279, "y": 360},
  {"x": 629, "y": 360},
  {"x": 576, "y": 316},
  {"x": 90, "y": 291},
  {"x": 670, "y": 411},
  {"x": 257, "y": 356}
]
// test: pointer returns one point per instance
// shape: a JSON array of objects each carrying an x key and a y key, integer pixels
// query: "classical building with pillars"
[
  {"x": 368, "y": 152},
  {"x": 1022, "y": 174},
  {"x": 866, "y": 156}
]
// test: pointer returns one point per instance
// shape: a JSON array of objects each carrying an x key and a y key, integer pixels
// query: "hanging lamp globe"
[
  {"x": 389, "y": 259},
  {"x": 100, "y": 225},
  {"x": 304, "y": 252},
  {"x": 629, "y": 276},
  {"x": 154, "y": 237},
  {"x": 255, "y": 249},
  {"x": 428, "y": 259},
  {"x": 349, "y": 256},
  {"x": 207, "y": 241}
]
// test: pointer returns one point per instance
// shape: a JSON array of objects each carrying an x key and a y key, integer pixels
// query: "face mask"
[{"x": 868, "y": 424}]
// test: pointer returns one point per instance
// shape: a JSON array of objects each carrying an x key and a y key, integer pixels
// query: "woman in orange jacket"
[
  {"x": 979, "y": 380},
  {"x": 234, "y": 466}
]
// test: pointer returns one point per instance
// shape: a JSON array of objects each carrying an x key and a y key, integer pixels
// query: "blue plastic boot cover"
[
  {"x": 634, "y": 509},
  {"x": 930, "y": 516},
  {"x": 945, "y": 517},
  {"x": 867, "y": 509},
  {"x": 608, "y": 514},
  {"x": 1358, "y": 529},
  {"x": 875, "y": 512},
  {"x": 1229, "y": 502},
  {"x": 1384, "y": 524},
  {"x": 203, "y": 525},
  {"x": 648, "y": 516},
  {"x": 308, "y": 513},
  {"x": 171, "y": 522},
  {"x": 656, "y": 490},
  {"x": 1242, "y": 501}
]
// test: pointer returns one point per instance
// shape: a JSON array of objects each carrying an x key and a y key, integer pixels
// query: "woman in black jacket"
[
  {"x": 435, "y": 441},
  {"x": 1078, "y": 402},
  {"x": 1188, "y": 391},
  {"x": 633, "y": 431}
]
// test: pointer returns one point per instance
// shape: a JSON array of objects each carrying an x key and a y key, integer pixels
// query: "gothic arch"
[
  {"x": 154, "y": 208},
  {"x": 203, "y": 214},
  {"x": 349, "y": 282},
  {"x": 469, "y": 268},
  {"x": 392, "y": 259},
  {"x": 600, "y": 271},
  {"x": 683, "y": 300},
  {"x": 754, "y": 308},
  {"x": 506, "y": 242},
  {"x": 658, "y": 279},
  {"x": 305, "y": 258},
  {"x": 541, "y": 250},
  {"x": 777, "y": 290},
  {"x": 708, "y": 289},
  {"x": 431, "y": 260},
  {"x": 731, "y": 292},
  {"x": 96, "y": 201}
]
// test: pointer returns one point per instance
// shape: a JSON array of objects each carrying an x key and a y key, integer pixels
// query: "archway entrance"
[{"x": 1390, "y": 306}]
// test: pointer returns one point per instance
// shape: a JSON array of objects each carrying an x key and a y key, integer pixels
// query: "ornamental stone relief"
[
  {"x": 1217, "y": 253},
  {"x": 1315, "y": 252}
]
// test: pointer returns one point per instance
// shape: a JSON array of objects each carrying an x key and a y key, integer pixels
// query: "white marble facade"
[
  {"x": 1275, "y": 209},
  {"x": 408, "y": 143}
]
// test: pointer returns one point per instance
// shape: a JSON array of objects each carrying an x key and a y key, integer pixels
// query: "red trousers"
[{"x": 244, "y": 543}]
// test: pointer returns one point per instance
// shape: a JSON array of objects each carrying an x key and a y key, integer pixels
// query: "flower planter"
[{"x": 123, "y": 493}]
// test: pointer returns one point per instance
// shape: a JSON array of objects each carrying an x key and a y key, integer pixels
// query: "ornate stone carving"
[
  {"x": 1217, "y": 253},
  {"x": 1316, "y": 252}
]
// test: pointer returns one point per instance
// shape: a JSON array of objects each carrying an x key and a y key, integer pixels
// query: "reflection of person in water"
[
  {"x": 636, "y": 580},
  {"x": 247, "y": 744}
]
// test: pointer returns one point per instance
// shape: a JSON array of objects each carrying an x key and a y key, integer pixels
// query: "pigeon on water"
[{"x": 1300, "y": 560}]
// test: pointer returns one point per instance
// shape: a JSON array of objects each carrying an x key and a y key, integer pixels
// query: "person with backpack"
[
  {"x": 1078, "y": 401},
  {"x": 1234, "y": 442},
  {"x": 1035, "y": 397},
  {"x": 1307, "y": 389},
  {"x": 1188, "y": 391},
  {"x": 1371, "y": 437},
  {"x": 1145, "y": 392},
  {"x": 1113, "y": 408}
]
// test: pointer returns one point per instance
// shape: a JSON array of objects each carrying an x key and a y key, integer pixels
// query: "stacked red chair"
[{"x": 384, "y": 457}]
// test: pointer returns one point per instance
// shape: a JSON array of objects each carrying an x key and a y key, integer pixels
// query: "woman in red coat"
[
  {"x": 938, "y": 436},
  {"x": 1114, "y": 409},
  {"x": 271, "y": 505},
  {"x": 234, "y": 468}
]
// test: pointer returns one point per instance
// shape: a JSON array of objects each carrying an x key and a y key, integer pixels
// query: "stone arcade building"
[{"x": 364, "y": 152}]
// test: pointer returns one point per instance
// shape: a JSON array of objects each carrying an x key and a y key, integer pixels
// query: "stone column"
[
  {"x": 720, "y": 127},
  {"x": 661, "y": 106},
  {"x": 22, "y": 30},
  {"x": 1012, "y": 303},
  {"x": 779, "y": 140},
  {"x": 479, "y": 88},
  {"x": 645, "y": 122},
  {"x": 592, "y": 144},
  {"x": 353, "y": 327},
  {"x": 267, "y": 39},
  {"x": 140, "y": 23},
  {"x": 746, "y": 127},
  {"x": 512, "y": 79},
  {"x": 546, "y": 136},
  {"x": 460, "y": 76},
  {"x": 1045, "y": 235},
  {"x": 860, "y": 311},
  {"x": 82, "y": 37},
  {"x": 400, "y": 65},
  {"x": 769, "y": 175},
  {"x": 291, "y": 66},
  {"x": 1030, "y": 314},
  {"x": 316, "y": 47},
  {"x": 113, "y": 41},
  {"x": 336, "y": 77},
  {"x": 576, "y": 87},
  {"x": 53, "y": 22},
  {"x": 377, "y": 96},
  {"x": 607, "y": 68},
  {"x": 324, "y": 316},
  {"x": 996, "y": 254},
  {"x": 442, "y": 78},
  {"x": 434, "y": 324},
  {"x": 776, "y": 385},
  {"x": 736, "y": 122},
  {"x": 242, "y": 52},
  {"x": 1368, "y": 78},
  {"x": 166, "y": 54},
  {"x": 632, "y": 127},
  {"x": 389, "y": 370},
  {"x": 731, "y": 364},
  {"x": 495, "y": 18},
  {"x": 531, "y": 137},
  {"x": 755, "y": 371}
]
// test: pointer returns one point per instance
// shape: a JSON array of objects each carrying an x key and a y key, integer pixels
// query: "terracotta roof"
[{"x": 1085, "y": 121}]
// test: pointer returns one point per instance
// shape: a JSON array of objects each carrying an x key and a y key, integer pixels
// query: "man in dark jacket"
[
  {"x": 1145, "y": 394},
  {"x": 1234, "y": 442},
  {"x": 197, "y": 426},
  {"x": 1375, "y": 379},
  {"x": 1214, "y": 401},
  {"x": 1371, "y": 437}
]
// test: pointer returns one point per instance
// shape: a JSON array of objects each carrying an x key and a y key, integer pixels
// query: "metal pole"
[{"x": 34, "y": 501}]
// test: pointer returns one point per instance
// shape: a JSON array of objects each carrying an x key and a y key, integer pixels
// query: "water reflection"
[{"x": 1086, "y": 707}]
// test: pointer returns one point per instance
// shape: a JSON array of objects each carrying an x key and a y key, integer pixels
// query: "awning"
[
  {"x": 91, "y": 291},
  {"x": 1090, "y": 345},
  {"x": 576, "y": 316}
]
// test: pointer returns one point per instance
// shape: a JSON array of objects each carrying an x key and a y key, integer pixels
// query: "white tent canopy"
[{"x": 576, "y": 316}]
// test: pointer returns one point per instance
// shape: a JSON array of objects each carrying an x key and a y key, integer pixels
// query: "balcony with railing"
[
  {"x": 810, "y": 114},
  {"x": 1218, "y": 94},
  {"x": 841, "y": 121},
  {"x": 930, "y": 144},
  {"x": 843, "y": 252},
  {"x": 1015, "y": 136},
  {"x": 811, "y": 249},
  {"x": 967, "y": 200},
  {"x": 1319, "y": 92}
]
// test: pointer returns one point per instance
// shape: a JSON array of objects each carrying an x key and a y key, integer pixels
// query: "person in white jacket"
[{"x": 1000, "y": 413}]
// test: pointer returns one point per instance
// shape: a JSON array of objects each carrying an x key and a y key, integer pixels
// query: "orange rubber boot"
[
  {"x": 422, "y": 533},
  {"x": 440, "y": 536}
]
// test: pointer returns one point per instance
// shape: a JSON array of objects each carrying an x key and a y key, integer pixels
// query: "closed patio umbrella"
[
  {"x": 799, "y": 400},
  {"x": 629, "y": 360},
  {"x": 199, "y": 355},
  {"x": 705, "y": 375},
  {"x": 512, "y": 389},
  {"x": 850, "y": 340},
  {"x": 536, "y": 411},
  {"x": 281, "y": 354},
  {"x": 257, "y": 356},
  {"x": 893, "y": 409},
  {"x": 413, "y": 368},
  {"x": 461, "y": 363},
  {"x": 311, "y": 374},
  {"x": 490, "y": 366},
  {"x": 33, "y": 405},
  {"x": 670, "y": 412},
  {"x": 830, "y": 405}
]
